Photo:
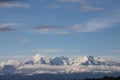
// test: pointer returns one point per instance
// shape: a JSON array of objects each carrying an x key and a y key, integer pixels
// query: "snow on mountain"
[
  {"x": 37, "y": 59},
  {"x": 87, "y": 60},
  {"x": 91, "y": 60},
  {"x": 40, "y": 64},
  {"x": 59, "y": 61},
  {"x": 76, "y": 61}
]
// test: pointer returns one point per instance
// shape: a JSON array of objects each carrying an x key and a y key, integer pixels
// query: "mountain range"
[
  {"x": 57, "y": 65},
  {"x": 76, "y": 61}
]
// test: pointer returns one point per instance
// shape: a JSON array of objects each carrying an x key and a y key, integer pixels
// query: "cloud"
[
  {"x": 45, "y": 28},
  {"x": 52, "y": 51},
  {"x": 51, "y": 29},
  {"x": 13, "y": 4},
  {"x": 7, "y": 27},
  {"x": 95, "y": 24},
  {"x": 84, "y": 5},
  {"x": 46, "y": 50},
  {"x": 24, "y": 40},
  {"x": 7, "y": 0},
  {"x": 64, "y": 32},
  {"x": 116, "y": 51},
  {"x": 77, "y": 27},
  {"x": 98, "y": 23},
  {"x": 53, "y": 6},
  {"x": 90, "y": 8},
  {"x": 39, "y": 68},
  {"x": 75, "y": 1},
  {"x": 92, "y": 26},
  {"x": 15, "y": 57}
]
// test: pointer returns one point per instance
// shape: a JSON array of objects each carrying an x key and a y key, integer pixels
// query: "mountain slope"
[{"x": 39, "y": 65}]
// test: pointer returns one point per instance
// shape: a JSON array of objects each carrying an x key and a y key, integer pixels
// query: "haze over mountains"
[
  {"x": 76, "y": 61},
  {"x": 59, "y": 65}
]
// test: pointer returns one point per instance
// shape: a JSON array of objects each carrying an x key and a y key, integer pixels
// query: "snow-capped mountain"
[
  {"x": 87, "y": 60},
  {"x": 91, "y": 60},
  {"x": 39, "y": 64},
  {"x": 37, "y": 59},
  {"x": 59, "y": 61}
]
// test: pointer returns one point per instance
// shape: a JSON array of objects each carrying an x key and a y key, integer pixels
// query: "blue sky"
[{"x": 60, "y": 27}]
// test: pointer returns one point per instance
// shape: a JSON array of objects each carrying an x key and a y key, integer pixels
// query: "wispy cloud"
[
  {"x": 13, "y": 4},
  {"x": 46, "y": 50},
  {"x": 93, "y": 25},
  {"x": 84, "y": 5},
  {"x": 24, "y": 40},
  {"x": 51, "y": 29},
  {"x": 116, "y": 51},
  {"x": 46, "y": 28},
  {"x": 64, "y": 32},
  {"x": 7, "y": 27},
  {"x": 51, "y": 50},
  {"x": 53, "y": 6},
  {"x": 98, "y": 23},
  {"x": 90, "y": 8},
  {"x": 71, "y": 1},
  {"x": 16, "y": 57}
]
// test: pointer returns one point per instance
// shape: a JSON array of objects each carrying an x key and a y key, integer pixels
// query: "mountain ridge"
[
  {"x": 40, "y": 64},
  {"x": 61, "y": 60}
]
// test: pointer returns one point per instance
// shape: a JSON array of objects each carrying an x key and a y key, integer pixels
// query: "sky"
[{"x": 59, "y": 27}]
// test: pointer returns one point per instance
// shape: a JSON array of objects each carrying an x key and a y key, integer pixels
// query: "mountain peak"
[
  {"x": 88, "y": 58},
  {"x": 59, "y": 61},
  {"x": 38, "y": 58}
]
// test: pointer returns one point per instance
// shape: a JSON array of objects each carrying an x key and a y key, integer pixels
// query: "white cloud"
[
  {"x": 13, "y": 4},
  {"x": 24, "y": 40},
  {"x": 116, "y": 51},
  {"x": 85, "y": 5},
  {"x": 51, "y": 50},
  {"x": 64, "y": 32},
  {"x": 46, "y": 50},
  {"x": 7, "y": 27},
  {"x": 98, "y": 23},
  {"x": 46, "y": 28},
  {"x": 77, "y": 27},
  {"x": 90, "y": 8},
  {"x": 51, "y": 29},
  {"x": 95, "y": 24},
  {"x": 71, "y": 1},
  {"x": 15, "y": 57},
  {"x": 54, "y": 6}
]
